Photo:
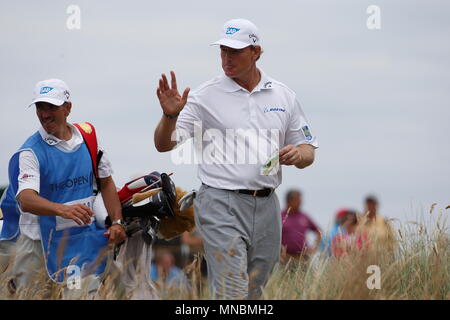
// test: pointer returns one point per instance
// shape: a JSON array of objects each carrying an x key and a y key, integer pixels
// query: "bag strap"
[{"x": 89, "y": 135}]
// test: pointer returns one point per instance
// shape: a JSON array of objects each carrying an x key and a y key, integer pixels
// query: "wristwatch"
[
  {"x": 171, "y": 116},
  {"x": 119, "y": 222}
]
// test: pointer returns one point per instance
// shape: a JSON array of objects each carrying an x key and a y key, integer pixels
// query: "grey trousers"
[{"x": 242, "y": 240}]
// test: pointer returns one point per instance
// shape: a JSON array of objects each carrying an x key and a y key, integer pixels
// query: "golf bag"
[{"x": 159, "y": 195}]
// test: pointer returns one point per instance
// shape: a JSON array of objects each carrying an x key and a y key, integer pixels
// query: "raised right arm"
[{"x": 171, "y": 103}]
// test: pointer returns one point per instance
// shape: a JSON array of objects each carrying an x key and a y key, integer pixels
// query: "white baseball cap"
[
  {"x": 238, "y": 34},
  {"x": 53, "y": 91}
]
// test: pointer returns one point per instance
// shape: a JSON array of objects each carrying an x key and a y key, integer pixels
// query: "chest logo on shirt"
[
  {"x": 77, "y": 182},
  {"x": 86, "y": 128},
  {"x": 274, "y": 109},
  {"x": 307, "y": 133},
  {"x": 50, "y": 141}
]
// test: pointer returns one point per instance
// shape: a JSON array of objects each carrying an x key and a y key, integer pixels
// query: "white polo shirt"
[
  {"x": 221, "y": 106},
  {"x": 29, "y": 174}
]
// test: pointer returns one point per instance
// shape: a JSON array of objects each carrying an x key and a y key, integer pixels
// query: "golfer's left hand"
[
  {"x": 290, "y": 155},
  {"x": 115, "y": 234}
]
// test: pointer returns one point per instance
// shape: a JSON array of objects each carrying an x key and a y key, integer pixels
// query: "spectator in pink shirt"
[
  {"x": 349, "y": 240},
  {"x": 296, "y": 224}
]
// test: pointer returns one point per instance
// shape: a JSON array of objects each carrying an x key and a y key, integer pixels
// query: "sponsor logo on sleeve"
[
  {"x": 26, "y": 176},
  {"x": 307, "y": 133}
]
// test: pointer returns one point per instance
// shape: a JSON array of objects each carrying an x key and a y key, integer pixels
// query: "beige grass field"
[{"x": 417, "y": 269}]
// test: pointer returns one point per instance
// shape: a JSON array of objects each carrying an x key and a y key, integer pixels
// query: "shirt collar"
[
  {"x": 266, "y": 83},
  {"x": 51, "y": 140},
  {"x": 229, "y": 85}
]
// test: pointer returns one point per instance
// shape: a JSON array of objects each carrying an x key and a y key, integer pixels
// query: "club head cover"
[
  {"x": 187, "y": 200},
  {"x": 168, "y": 194}
]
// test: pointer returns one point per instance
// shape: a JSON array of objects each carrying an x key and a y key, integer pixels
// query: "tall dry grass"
[{"x": 417, "y": 268}]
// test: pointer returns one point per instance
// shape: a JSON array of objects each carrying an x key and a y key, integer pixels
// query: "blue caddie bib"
[{"x": 66, "y": 178}]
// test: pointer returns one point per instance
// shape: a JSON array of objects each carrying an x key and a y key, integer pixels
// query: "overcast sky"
[{"x": 378, "y": 100}]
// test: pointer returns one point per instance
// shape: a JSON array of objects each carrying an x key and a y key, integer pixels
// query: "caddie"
[
  {"x": 231, "y": 118},
  {"x": 48, "y": 204}
]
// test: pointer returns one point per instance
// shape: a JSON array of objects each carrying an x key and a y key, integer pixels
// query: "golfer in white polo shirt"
[{"x": 244, "y": 123}]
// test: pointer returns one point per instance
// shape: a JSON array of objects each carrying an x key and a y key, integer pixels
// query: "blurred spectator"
[
  {"x": 371, "y": 204},
  {"x": 326, "y": 243},
  {"x": 173, "y": 246},
  {"x": 348, "y": 239},
  {"x": 164, "y": 272},
  {"x": 296, "y": 224},
  {"x": 375, "y": 227}
]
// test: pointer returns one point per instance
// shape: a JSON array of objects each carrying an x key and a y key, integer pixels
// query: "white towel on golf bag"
[
  {"x": 134, "y": 260},
  {"x": 99, "y": 209}
]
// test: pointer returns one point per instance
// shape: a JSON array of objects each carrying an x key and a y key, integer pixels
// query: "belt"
[{"x": 256, "y": 193}]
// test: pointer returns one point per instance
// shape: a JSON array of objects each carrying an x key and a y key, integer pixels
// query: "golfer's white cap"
[
  {"x": 238, "y": 34},
  {"x": 53, "y": 91}
]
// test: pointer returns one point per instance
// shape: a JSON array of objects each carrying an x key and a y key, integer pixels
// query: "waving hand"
[{"x": 170, "y": 99}]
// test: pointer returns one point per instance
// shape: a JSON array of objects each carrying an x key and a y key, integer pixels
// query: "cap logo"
[
  {"x": 232, "y": 30},
  {"x": 67, "y": 94},
  {"x": 45, "y": 90},
  {"x": 253, "y": 38}
]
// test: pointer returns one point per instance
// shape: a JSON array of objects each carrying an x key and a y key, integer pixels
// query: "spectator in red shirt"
[
  {"x": 343, "y": 243},
  {"x": 296, "y": 224}
]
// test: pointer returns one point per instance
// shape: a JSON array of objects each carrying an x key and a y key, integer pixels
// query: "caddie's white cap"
[
  {"x": 238, "y": 34},
  {"x": 53, "y": 91}
]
